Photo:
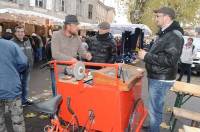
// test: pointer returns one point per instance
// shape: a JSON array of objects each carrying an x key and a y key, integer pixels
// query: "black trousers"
[{"x": 184, "y": 67}]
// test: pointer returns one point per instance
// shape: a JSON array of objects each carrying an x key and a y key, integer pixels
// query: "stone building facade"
[{"x": 89, "y": 11}]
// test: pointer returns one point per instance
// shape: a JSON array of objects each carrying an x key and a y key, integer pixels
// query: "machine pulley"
[{"x": 76, "y": 70}]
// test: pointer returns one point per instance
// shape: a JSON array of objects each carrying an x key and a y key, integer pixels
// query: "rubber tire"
[{"x": 137, "y": 112}]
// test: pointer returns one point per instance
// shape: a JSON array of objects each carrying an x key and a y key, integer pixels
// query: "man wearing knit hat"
[
  {"x": 102, "y": 46},
  {"x": 162, "y": 63}
]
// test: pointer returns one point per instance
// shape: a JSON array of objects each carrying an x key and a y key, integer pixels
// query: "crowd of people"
[
  {"x": 37, "y": 42},
  {"x": 19, "y": 52}
]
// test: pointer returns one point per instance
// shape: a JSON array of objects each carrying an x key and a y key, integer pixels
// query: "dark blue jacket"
[
  {"x": 12, "y": 62},
  {"x": 26, "y": 47},
  {"x": 103, "y": 48}
]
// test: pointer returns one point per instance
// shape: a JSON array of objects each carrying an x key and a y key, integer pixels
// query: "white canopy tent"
[
  {"x": 25, "y": 15},
  {"x": 29, "y": 14},
  {"x": 85, "y": 26},
  {"x": 119, "y": 28}
]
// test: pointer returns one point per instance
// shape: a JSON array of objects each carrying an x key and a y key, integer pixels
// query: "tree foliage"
[{"x": 186, "y": 11}]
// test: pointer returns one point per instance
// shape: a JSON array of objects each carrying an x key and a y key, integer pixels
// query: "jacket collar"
[
  {"x": 174, "y": 26},
  {"x": 105, "y": 36}
]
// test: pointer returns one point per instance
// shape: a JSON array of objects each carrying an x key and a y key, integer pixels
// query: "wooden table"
[{"x": 186, "y": 88}]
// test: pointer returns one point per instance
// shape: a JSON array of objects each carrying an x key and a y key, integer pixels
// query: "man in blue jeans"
[{"x": 162, "y": 63}]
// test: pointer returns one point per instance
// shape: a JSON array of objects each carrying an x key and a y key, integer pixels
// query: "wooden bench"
[
  {"x": 189, "y": 129},
  {"x": 183, "y": 113},
  {"x": 184, "y": 92},
  {"x": 180, "y": 130}
]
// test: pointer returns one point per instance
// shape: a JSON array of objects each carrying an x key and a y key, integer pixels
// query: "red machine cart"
[{"x": 103, "y": 100}]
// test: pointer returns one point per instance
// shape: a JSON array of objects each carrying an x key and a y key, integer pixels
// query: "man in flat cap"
[
  {"x": 102, "y": 46},
  {"x": 162, "y": 63},
  {"x": 66, "y": 43}
]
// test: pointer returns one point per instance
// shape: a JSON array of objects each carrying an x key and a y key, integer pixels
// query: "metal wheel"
[{"x": 136, "y": 115}]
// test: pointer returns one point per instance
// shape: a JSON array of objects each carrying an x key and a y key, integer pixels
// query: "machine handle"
[
  {"x": 71, "y": 111},
  {"x": 69, "y": 106}
]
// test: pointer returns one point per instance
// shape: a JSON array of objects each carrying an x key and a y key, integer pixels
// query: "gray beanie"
[{"x": 104, "y": 25}]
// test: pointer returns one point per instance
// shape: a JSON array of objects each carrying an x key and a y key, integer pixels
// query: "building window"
[
  {"x": 39, "y": 3},
  {"x": 90, "y": 8},
  {"x": 62, "y": 5},
  {"x": 79, "y": 8},
  {"x": 14, "y": 1}
]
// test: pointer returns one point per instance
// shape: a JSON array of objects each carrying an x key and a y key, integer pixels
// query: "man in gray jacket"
[
  {"x": 66, "y": 45},
  {"x": 25, "y": 45}
]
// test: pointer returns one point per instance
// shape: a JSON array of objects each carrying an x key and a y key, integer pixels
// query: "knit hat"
[{"x": 104, "y": 25}]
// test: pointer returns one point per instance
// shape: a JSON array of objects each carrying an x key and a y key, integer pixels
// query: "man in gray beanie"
[{"x": 102, "y": 46}]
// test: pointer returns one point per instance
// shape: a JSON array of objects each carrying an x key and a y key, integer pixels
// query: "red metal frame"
[{"x": 111, "y": 106}]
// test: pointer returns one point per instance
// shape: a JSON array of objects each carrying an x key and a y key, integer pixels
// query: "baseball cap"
[{"x": 166, "y": 10}]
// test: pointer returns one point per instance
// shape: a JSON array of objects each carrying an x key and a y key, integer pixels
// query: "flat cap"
[
  {"x": 71, "y": 19},
  {"x": 104, "y": 25},
  {"x": 167, "y": 11}
]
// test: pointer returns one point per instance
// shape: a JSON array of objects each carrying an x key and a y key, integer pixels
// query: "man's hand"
[
  {"x": 88, "y": 56},
  {"x": 141, "y": 54}
]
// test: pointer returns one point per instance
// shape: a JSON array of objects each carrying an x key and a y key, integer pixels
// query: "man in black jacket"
[
  {"x": 102, "y": 46},
  {"x": 162, "y": 63}
]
